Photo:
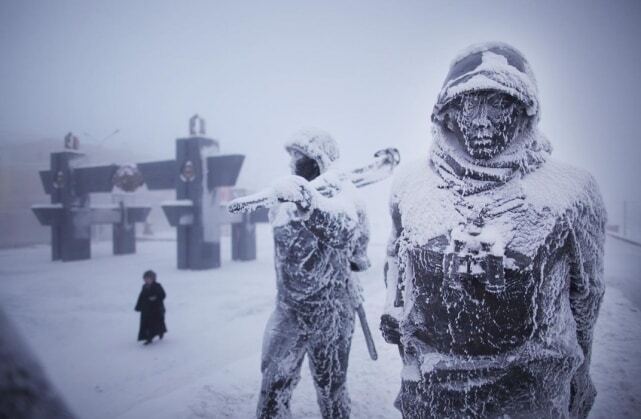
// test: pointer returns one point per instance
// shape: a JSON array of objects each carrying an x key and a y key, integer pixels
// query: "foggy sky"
[{"x": 367, "y": 72}]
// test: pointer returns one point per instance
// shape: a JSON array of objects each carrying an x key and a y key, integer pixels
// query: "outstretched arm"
[{"x": 332, "y": 220}]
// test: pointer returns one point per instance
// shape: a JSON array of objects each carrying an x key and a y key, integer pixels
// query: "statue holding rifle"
[{"x": 321, "y": 236}]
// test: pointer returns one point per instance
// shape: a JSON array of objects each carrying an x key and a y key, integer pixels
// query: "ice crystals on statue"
[{"x": 495, "y": 261}]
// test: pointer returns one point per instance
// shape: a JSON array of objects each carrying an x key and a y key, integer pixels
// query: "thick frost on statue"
[
  {"x": 495, "y": 263},
  {"x": 319, "y": 241}
]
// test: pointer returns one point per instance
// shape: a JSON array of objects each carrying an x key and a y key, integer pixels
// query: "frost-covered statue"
[
  {"x": 319, "y": 241},
  {"x": 495, "y": 264}
]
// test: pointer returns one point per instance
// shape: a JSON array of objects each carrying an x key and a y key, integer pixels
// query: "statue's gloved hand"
[
  {"x": 295, "y": 189},
  {"x": 390, "y": 329}
]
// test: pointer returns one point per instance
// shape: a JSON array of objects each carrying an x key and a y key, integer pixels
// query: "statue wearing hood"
[
  {"x": 318, "y": 242},
  {"x": 495, "y": 262}
]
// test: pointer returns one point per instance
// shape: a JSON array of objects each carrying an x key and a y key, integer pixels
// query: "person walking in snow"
[
  {"x": 495, "y": 262},
  {"x": 152, "y": 309},
  {"x": 319, "y": 241}
]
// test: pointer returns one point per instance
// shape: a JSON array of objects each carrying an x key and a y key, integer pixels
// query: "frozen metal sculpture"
[
  {"x": 71, "y": 141},
  {"x": 197, "y": 126},
  {"x": 495, "y": 262},
  {"x": 321, "y": 236}
]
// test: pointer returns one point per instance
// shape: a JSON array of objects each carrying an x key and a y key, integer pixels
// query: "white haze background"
[{"x": 367, "y": 72}]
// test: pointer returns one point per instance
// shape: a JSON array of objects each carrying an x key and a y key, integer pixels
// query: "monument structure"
[
  {"x": 70, "y": 214},
  {"x": 198, "y": 174}
]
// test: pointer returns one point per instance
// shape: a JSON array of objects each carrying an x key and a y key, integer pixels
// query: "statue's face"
[
  {"x": 304, "y": 166},
  {"x": 485, "y": 122}
]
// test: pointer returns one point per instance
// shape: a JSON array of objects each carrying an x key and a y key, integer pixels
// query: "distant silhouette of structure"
[
  {"x": 198, "y": 174},
  {"x": 70, "y": 215}
]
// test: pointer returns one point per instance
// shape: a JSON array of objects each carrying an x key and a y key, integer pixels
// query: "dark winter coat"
[{"x": 152, "y": 311}]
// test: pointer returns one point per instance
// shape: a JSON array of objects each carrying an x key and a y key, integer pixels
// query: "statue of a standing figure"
[
  {"x": 71, "y": 142},
  {"x": 495, "y": 263},
  {"x": 196, "y": 125},
  {"x": 318, "y": 243}
]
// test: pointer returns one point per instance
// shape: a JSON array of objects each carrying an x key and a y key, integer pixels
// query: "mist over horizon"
[
  {"x": 145, "y": 277},
  {"x": 367, "y": 72}
]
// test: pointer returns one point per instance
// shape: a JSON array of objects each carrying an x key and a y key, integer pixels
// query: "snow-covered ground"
[{"x": 79, "y": 320}]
